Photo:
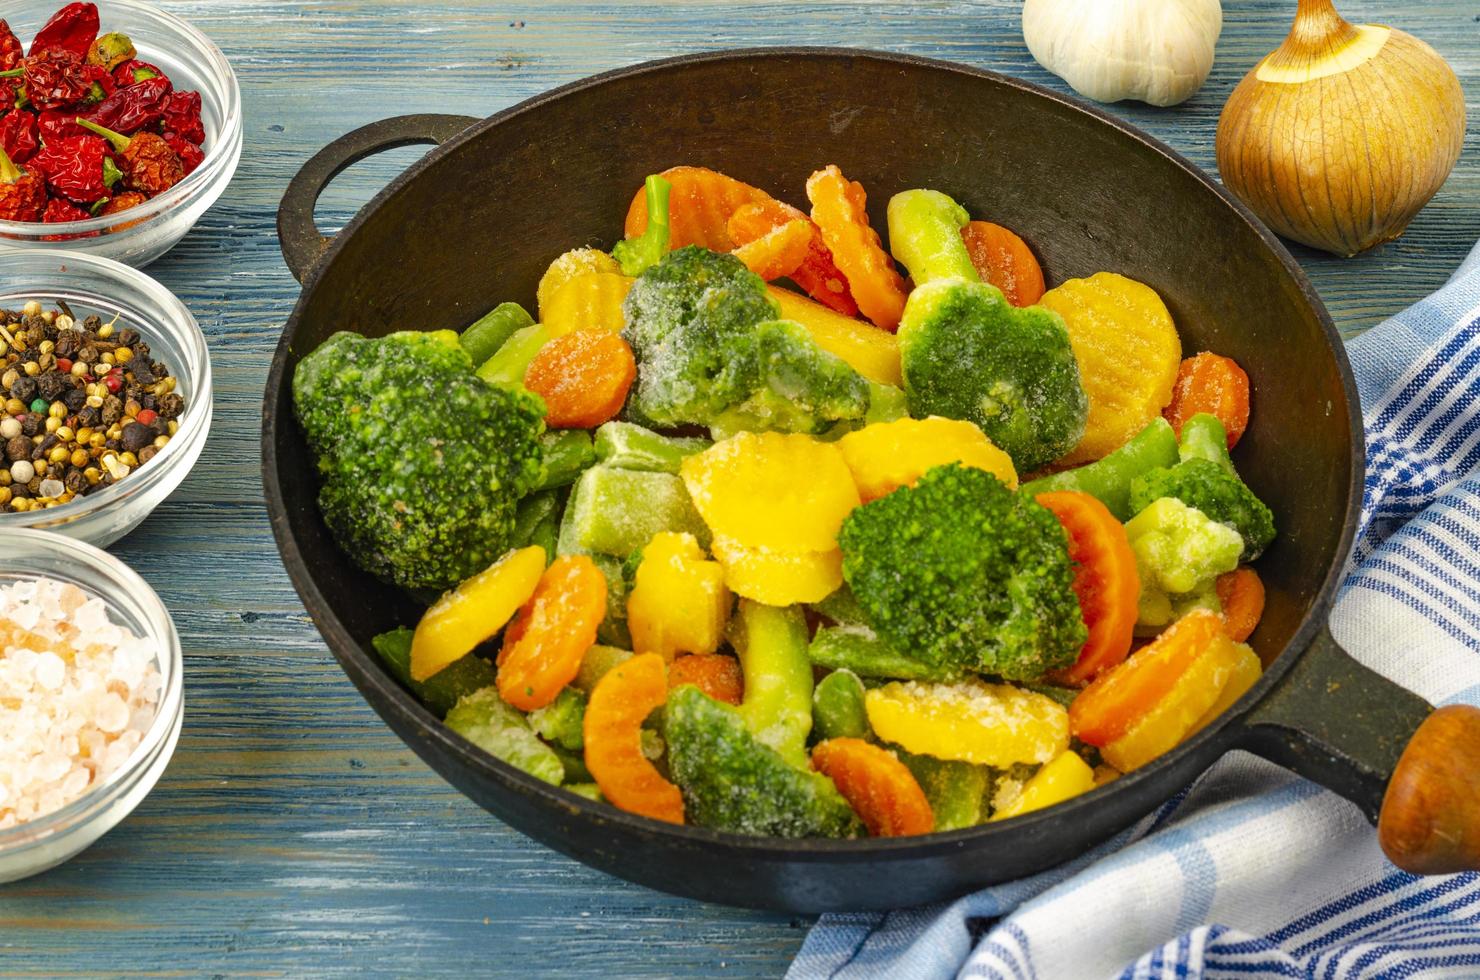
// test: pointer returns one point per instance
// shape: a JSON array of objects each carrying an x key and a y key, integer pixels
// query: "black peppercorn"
[
  {"x": 24, "y": 389},
  {"x": 18, "y": 448},
  {"x": 53, "y": 386},
  {"x": 112, "y": 409},
  {"x": 31, "y": 423},
  {"x": 136, "y": 437},
  {"x": 169, "y": 406},
  {"x": 75, "y": 399},
  {"x": 75, "y": 480}
]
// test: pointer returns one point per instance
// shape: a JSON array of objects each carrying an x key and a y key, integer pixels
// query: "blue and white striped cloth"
[{"x": 1251, "y": 871}]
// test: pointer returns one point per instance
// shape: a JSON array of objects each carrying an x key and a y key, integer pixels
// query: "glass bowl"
[
  {"x": 47, "y": 841},
  {"x": 107, "y": 288},
  {"x": 193, "y": 62}
]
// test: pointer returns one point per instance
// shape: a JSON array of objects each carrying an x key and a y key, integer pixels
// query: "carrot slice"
[
  {"x": 699, "y": 207},
  {"x": 779, "y": 252},
  {"x": 623, "y": 697},
  {"x": 583, "y": 377},
  {"x": 1213, "y": 384},
  {"x": 1105, "y": 580},
  {"x": 1242, "y": 593},
  {"x": 1004, "y": 260},
  {"x": 818, "y": 276},
  {"x": 877, "y": 785},
  {"x": 838, "y": 208},
  {"x": 716, "y": 674},
  {"x": 1122, "y": 696},
  {"x": 554, "y": 630}
]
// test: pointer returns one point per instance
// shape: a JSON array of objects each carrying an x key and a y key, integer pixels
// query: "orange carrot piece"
[
  {"x": 716, "y": 674},
  {"x": 1213, "y": 384},
  {"x": 583, "y": 377},
  {"x": 779, "y": 252},
  {"x": 1004, "y": 260},
  {"x": 838, "y": 209},
  {"x": 554, "y": 630},
  {"x": 877, "y": 785},
  {"x": 699, "y": 207},
  {"x": 1105, "y": 580},
  {"x": 1242, "y": 593},
  {"x": 623, "y": 697},
  {"x": 1121, "y": 696},
  {"x": 818, "y": 275}
]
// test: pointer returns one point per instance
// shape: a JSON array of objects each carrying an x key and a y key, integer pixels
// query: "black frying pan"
[{"x": 476, "y": 222}]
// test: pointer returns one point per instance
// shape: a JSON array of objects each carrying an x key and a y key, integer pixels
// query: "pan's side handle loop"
[
  {"x": 302, "y": 242},
  {"x": 1414, "y": 771}
]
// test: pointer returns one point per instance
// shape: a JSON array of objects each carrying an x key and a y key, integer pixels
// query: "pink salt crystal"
[{"x": 77, "y": 693}]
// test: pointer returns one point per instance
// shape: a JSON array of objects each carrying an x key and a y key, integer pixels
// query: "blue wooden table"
[{"x": 293, "y": 834}]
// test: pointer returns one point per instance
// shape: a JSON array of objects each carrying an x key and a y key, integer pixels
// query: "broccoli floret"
[
  {"x": 684, "y": 316},
  {"x": 1180, "y": 552},
  {"x": 423, "y": 464},
  {"x": 959, "y": 571},
  {"x": 711, "y": 352},
  {"x": 1205, "y": 479},
  {"x": 637, "y": 255},
  {"x": 967, "y": 354},
  {"x": 796, "y": 386},
  {"x": 733, "y": 781}
]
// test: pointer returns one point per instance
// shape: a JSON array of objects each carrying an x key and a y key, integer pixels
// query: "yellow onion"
[{"x": 1342, "y": 134}]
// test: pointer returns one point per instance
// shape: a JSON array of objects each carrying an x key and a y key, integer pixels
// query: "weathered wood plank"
[{"x": 294, "y": 834}]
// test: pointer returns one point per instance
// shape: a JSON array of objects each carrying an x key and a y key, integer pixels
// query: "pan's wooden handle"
[{"x": 1430, "y": 821}]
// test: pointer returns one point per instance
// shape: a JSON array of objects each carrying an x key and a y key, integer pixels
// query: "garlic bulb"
[
  {"x": 1157, "y": 51},
  {"x": 1342, "y": 134}
]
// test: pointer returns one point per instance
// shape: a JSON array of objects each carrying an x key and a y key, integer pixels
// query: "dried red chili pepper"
[
  {"x": 18, "y": 135},
  {"x": 124, "y": 201},
  {"x": 11, "y": 51},
  {"x": 73, "y": 28},
  {"x": 100, "y": 84},
  {"x": 59, "y": 209},
  {"x": 134, "y": 72},
  {"x": 54, "y": 78},
  {"x": 56, "y": 124},
  {"x": 75, "y": 168},
  {"x": 130, "y": 109},
  {"x": 22, "y": 194},
  {"x": 110, "y": 51},
  {"x": 191, "y": 156},
  {"x": 182, "y": 117},
  {"x": 149, "y": 164}
]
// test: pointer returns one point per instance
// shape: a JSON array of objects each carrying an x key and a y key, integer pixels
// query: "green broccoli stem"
[
  {"x": 1204, "y": 437},
  {"x": 838, "y": 707},
  {"x": 777, "y": 706},
  {"x": 568, "y": 454},
  {"x": 1109, "y": 479},
  {"x": 925, "y": 235},
  {"x": 636, "y": 255},
  {"x": 497, "y": 728},
  {"x": 615, "y": 512},
  {"x": 443, "y": 689},
  {"x": 860, "y": 650},
  {"x": 628, "y": 446},
  {"x": 483, "y": 339},
  {"x": 507, "y": 364}
]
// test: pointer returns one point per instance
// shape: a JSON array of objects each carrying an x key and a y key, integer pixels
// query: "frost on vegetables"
[{"x": 713, "y": 548}]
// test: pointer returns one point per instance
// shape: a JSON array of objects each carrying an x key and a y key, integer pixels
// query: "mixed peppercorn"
[
  {"x": 84, "y": 406},
  {"x": 87, "y": 128}
]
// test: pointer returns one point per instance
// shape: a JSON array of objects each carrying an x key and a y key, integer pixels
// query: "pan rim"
[{"x": 387, "y": 696}]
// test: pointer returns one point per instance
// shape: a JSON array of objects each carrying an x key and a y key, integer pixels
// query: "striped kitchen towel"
[{"x": 1251, "y": 871}]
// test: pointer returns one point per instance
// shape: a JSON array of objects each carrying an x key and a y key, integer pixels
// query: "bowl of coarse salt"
[{"x": 90, "y": 697}]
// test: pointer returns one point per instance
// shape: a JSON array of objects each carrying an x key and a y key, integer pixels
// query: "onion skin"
[{"x": 1344, "y": 160}]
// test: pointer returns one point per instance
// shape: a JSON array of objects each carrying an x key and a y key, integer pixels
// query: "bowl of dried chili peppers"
[{"x": 120, "y": 125}]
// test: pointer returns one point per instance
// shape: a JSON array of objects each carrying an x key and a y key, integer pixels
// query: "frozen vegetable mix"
[{"x": 769, "y": 522}]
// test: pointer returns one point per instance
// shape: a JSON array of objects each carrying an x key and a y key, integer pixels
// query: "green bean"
[
  {"x": 484, "y": 338},
  {"x": 443, "y": 689},
  {"x": 509, "y": 362},
  {"x": 567, "y": 454},
  {"x": 859, "y": 649}
]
